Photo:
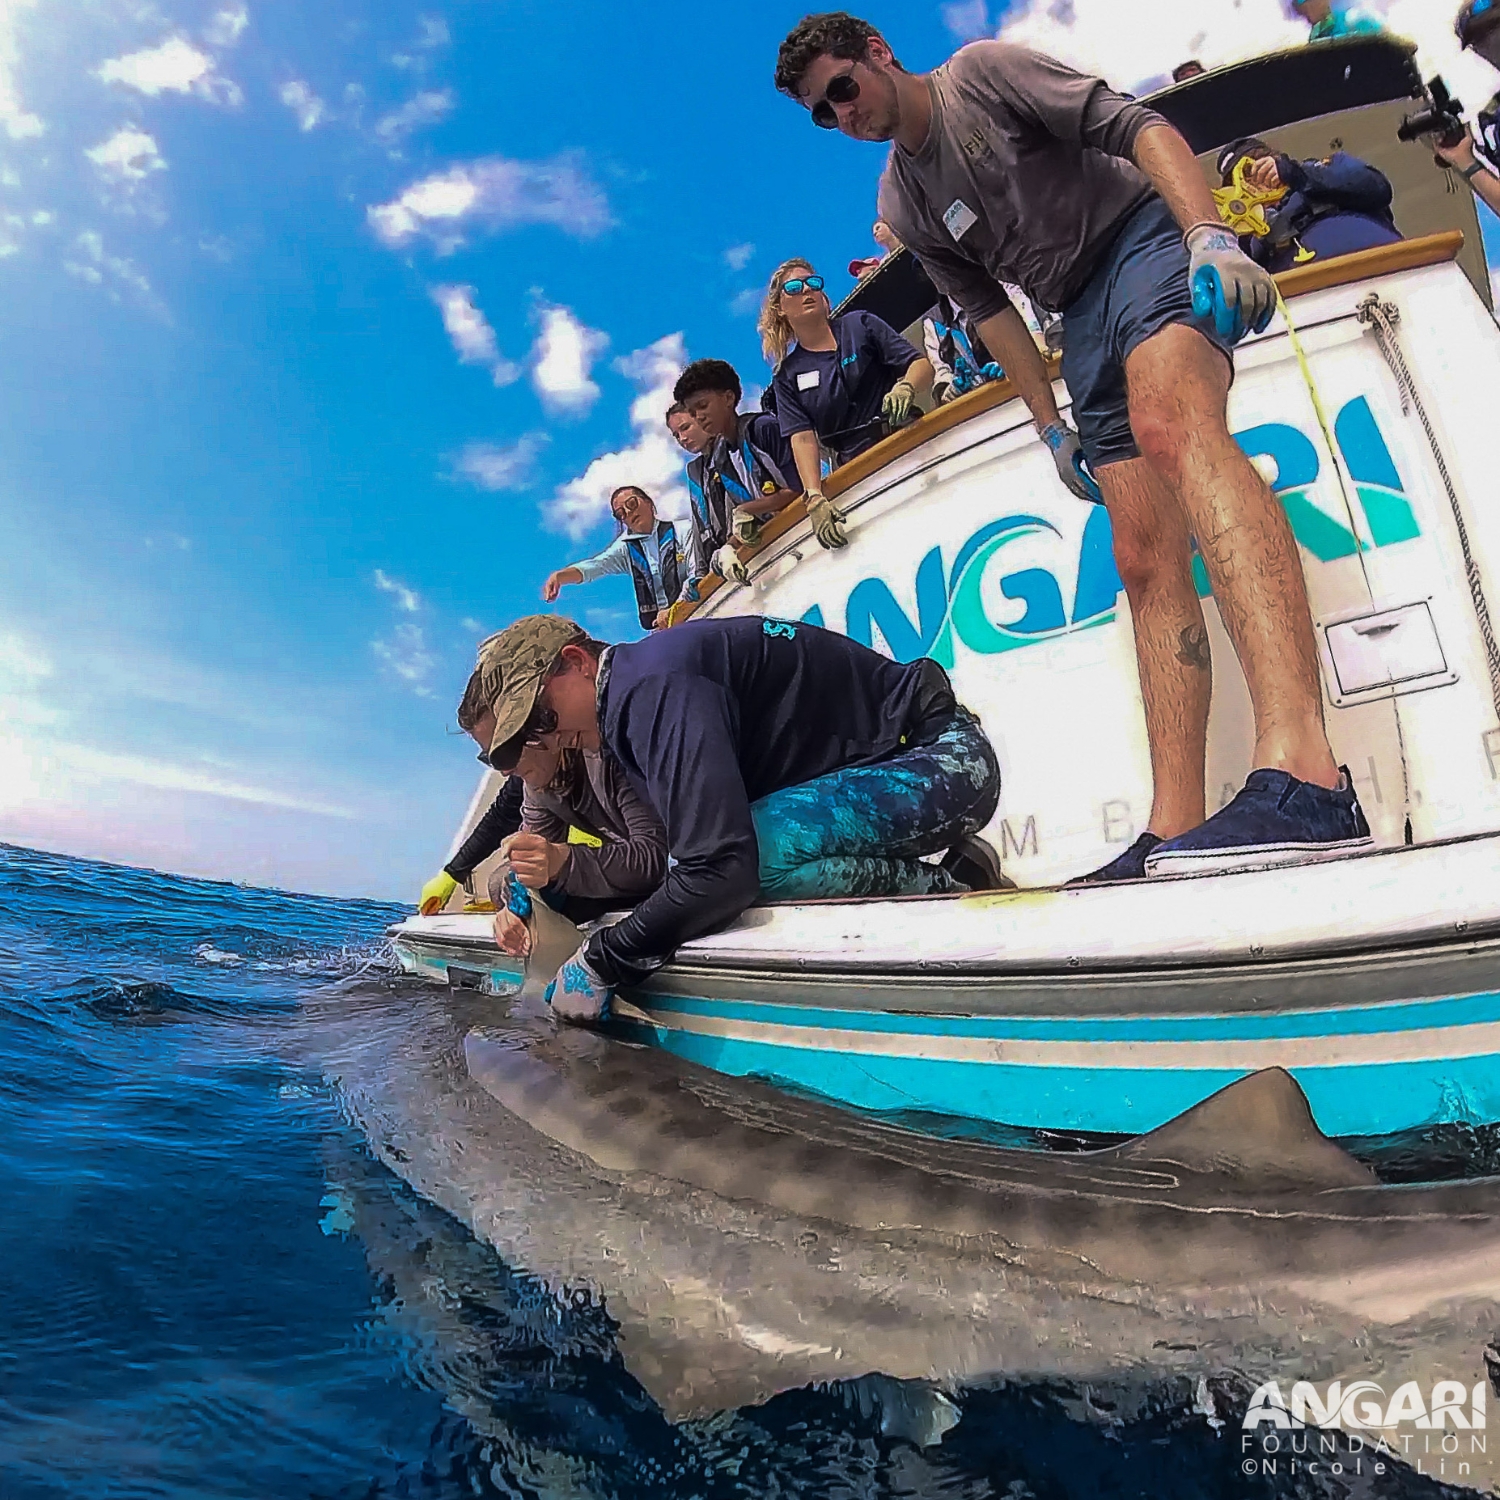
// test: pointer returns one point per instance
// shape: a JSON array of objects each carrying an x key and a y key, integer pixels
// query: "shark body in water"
[{"x": 749, "y": 1242}]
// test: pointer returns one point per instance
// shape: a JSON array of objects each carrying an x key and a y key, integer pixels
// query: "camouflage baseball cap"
[{"x": 514, "y": 663}]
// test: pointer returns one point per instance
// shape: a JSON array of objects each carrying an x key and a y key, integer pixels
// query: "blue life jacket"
[{"x": 641, "y": 576}]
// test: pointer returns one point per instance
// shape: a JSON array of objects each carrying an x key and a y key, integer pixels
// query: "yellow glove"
[
  {"x": 436, "y": 892},
  {"x": 827, "y": 522},
  {"x": 896, "y": 407},
  {"x": 744, "y": 526}
]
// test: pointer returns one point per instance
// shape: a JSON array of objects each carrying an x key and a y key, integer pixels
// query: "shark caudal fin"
[{"x": 1257, "y": 1132}]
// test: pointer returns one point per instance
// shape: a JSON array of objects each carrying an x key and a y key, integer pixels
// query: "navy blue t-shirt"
[
  {"x": 837, "y": 393},
  {"x": 713, "y": 715}
]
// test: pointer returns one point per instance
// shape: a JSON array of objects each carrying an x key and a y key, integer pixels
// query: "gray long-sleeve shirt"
[
  {"x": 1024, "y": 177},
  {"x": 632, "y": 860}
]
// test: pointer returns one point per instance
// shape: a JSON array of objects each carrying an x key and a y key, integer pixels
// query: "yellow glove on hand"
[
  {"x": 827, "y": 522},
  {"x": 745, "y": 527},
  {"x": 896, "y": 407},
  {"x": 436, "y": 892}
]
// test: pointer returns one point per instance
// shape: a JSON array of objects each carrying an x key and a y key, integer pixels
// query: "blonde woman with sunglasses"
[{"x": 842, "y": 383}]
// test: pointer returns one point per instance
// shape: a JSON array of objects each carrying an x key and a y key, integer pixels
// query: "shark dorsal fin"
[{"x": 1259, "y": 1130}]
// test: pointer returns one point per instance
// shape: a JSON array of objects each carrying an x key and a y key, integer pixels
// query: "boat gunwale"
[{"x": 1362, "y": 265}]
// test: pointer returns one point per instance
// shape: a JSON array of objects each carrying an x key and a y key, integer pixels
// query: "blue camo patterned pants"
[{"x": 861, "y": 831}]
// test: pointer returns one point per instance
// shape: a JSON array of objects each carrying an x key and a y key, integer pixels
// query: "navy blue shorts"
[{"x": 1139, "y": 288}]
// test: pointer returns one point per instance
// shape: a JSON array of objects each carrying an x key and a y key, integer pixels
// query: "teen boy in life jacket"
[
  {"x": 960, "y": 362},
  {"x": 708, "y": 523},
  {"x": 749, "y": 467},
  {"x": 646, "y": 548}
]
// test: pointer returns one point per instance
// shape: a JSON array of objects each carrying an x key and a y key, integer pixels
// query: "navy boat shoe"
[
  {"x": 1275, "y": 820},
  {"x": 1131, "y": 865}
]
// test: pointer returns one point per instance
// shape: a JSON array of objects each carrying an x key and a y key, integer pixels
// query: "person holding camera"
[{"x": 1478, "y": 28}]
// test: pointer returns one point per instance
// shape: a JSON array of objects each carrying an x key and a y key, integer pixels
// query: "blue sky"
[{"x": 325, "y": 331}]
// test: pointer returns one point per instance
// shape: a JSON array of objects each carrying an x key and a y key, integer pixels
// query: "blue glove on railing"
[
  {"x": 1240, "y": 295},
  {"x": 578, "y": 994},
  {"x": 1067, "y": 454}
]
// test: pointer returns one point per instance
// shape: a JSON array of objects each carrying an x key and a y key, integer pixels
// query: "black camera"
[{"x": 1443, "y": 118}]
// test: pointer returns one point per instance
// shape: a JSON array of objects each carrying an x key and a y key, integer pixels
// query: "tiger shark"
[{"x": 749, "y": 1242}]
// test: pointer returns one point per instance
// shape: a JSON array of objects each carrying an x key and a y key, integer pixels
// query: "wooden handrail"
[{"x": 1383, "y": 260}]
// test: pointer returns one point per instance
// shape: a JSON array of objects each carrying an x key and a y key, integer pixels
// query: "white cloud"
[
  {"x": 406, "y": 657},
  {"x": 407, "y": 600},
  {"x": 494, "y": 193},
  {"x": 473, "y": 338},
  {"x": 300, "y": 99},
  {"x": 114, "y": 274},
  {"x": 18, "y": 122},
  {"x": 651, "y": 460},
  {"x": 128, "y": 156},
  {"x": 562, "y": 357},
  {"x": 423, "y": 109},
  {"x": 226, "y": 26},
  {"x": 168, "y": 776},
  {"x": 432, "y": 33},
  {"x": 746, "y": 302},
  {"x": 737, "y": 257},
  {"x": 471, "y": 625},
  {"x": 967, "y": 19},
  {"x": 495, "y": 466},
  {"x": 176, "y": 66}
]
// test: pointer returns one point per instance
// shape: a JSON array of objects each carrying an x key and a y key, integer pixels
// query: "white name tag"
[
  {"x": 807, "y": 379},
  {"x": 960, "y": 218}
]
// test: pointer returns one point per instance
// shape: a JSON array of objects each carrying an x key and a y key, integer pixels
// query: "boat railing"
[{"x": 1384, "y": 260}]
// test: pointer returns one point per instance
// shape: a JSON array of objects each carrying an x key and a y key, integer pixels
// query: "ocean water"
[{"x": 209, "y": 1287}]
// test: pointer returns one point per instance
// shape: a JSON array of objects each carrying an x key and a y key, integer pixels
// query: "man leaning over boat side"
[
  {"x": 566, "y": 792},
  {"x": 782, "y": 758},
  {"x": 1006, "y": 164}
]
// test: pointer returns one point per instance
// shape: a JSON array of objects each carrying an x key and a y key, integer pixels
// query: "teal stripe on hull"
[
  {"x": 1369, "y": 1099},
  {"x": 1353, "y": 1020}
]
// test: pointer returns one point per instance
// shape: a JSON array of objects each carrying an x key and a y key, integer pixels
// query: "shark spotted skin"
[{"x": 748, "y": 1243}]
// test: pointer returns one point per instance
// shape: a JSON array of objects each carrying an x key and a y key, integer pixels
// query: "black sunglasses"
[
  {"x": 841, "y": 90},
  {"x": 803, "y": 284},
  {"x": 503, "y": 758}
]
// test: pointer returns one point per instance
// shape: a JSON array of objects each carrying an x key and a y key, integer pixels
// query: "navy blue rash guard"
[
  {"x": 1335, "y": 207},
  {"x": 707, "y": 718},
  {"x": 839, "y": 391}
]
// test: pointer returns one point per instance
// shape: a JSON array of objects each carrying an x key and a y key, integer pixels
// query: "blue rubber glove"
[
  {"x": 517, "y": 898},
  {"x": 1067, "y": 454},
  {"x": 1226, "y": 283},
  {"x": 578, "y": 994}
]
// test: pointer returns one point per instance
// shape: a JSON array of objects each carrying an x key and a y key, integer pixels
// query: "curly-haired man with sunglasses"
[{"x": 1007, "y": 165}]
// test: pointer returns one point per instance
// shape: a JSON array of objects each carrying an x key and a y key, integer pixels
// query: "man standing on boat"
[
  {"x": 782, "y": 759},
  {"x": 1007, "y": 165}
]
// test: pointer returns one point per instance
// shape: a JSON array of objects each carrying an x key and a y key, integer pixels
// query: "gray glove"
[
  {"x": 1067, "y": 454},
  {"x": 896, "y": 407},
  {"x": 746, "y": 527},
  {"x": 1240, "y": 295},
  {"x": 944, "y": 393},
  {"x": 827, "y": 522},
  {"x": 726, "y": 563}
]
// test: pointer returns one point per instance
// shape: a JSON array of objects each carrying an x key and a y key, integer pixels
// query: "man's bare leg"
[
  {"x": 1178, "y": 385},
  {"x": 1154, "y": 558}
]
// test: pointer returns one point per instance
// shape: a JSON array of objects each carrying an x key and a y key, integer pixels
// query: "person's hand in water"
[
  {"x": 578, "y": 994},
  {"x": 512, "y": 935},
  {"x": 536, "y": 862}
]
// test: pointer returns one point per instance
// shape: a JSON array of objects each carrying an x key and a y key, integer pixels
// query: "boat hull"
[{"x": 1368, "y": 1067}]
